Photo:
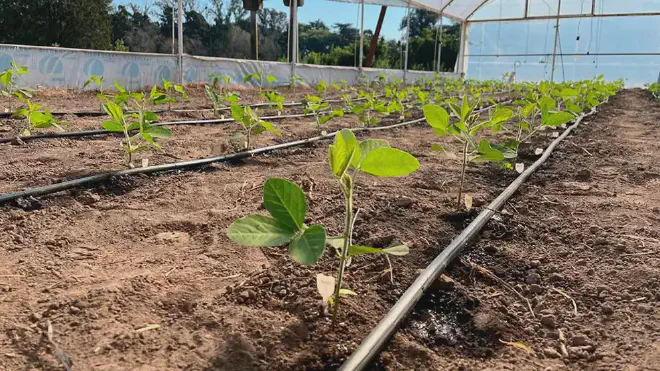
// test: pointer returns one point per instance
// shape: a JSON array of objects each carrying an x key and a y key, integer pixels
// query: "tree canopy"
[{"x": 219, "y": 29}]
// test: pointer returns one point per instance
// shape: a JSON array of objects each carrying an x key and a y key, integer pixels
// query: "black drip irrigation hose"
[
  {"x": 86, "y": 133},
  {"x": 69, "y": 184},
  {"x": 380, "y": 335}
]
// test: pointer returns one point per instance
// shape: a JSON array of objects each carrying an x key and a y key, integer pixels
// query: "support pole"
[
  {"x": 293, "y": 34},
  {"x": 374, "y": 40},
  {"x": 554, "y": 51},
  {"x": 173, "y": 33},
  {"x": 361, "y": 37},
  {"x": 462, "y": 50},
  {"x": 254, "y": 36},
  {"x": 442, "y": 32},
  {"x": 180, "y": 23},
  {"x": 405, "y": 63}
]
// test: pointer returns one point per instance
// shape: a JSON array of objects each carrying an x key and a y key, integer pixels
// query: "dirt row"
[{"x": 138, "y": 274}]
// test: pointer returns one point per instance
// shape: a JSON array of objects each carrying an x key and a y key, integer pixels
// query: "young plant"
[
  {"x": 259, "y": 76},
  {"x": 287, "y": 206},
  {"x": 220, "y": 100},
  {"x": 316, "y": 106},
  {"x": 142, "y": 120},
  {"x": 173, "y": 91},
  {"x": 98, "y": 80},
  {"x": 35, "y": 118},
  {"x": 251, "y": 124},
  {"x": 467, "y": 131},
  {"x": 218, "y": 81},
  {"x": 295, "y": 80},
  {"x": 274, "y": 98},
  {"x": 9, "y": 86},
  {"x": 654, "y": 89},
  {"x": 367, "y": 111},
  {"x": 322, "y": 89}
]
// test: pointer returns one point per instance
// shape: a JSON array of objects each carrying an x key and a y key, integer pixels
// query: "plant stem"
[
  {"x": 460, "y": 188},
  {"x": 348, "y": 232}
]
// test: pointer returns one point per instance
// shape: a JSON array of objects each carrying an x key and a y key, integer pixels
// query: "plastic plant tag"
[
  {"x": 145, "y": 162},
  {"x": 555, "y": 134},
  {"x": 468, "y": 201},
  {"x": 538, "y": 151},
  {"x": 222, "y": 117},
  {"x": 279, "y": 113},
  {"x": 326, "y": 286},
  {"x": 520, "y": 167}
]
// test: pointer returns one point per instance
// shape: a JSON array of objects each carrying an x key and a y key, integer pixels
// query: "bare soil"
[{"x": 138, "y": 274}]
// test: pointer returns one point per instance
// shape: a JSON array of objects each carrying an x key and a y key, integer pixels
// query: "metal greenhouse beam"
[{"x": 374, "y": 39}]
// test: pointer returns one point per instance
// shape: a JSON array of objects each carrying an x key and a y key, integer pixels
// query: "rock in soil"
[
  {"x": 549, "y": 321},
  {"x": 551, "y": 353}
]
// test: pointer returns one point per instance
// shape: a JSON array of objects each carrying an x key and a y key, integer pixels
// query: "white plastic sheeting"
[
  {"x": 52, "y": 67},
  {"x": 459, "y": 10}
]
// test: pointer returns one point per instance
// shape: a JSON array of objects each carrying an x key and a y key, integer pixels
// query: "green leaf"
[
  {"x": 389, "y": 162},
  {"x": 113, "y": 126},
  {"x": 400, "y": 250},
  {"x": 260, "y": 230},
  {"x": 158, "y": 131},
  {"x": 119, "y": 87},
  {"x": 556, "y": 119},
  {"x": 336, "y": 241},
  {"x": 366, "y": 147},
  {"x": 270, "y": 127},
  {"x": 271, "y": 79},
  {"x": 341, "y": 153},
  {"x": 237, "y": 113},
  {"x": 488, "y": 153},
  {"x": 113, "y": 110},
  {"x": 286, "y": 202},
  {"x": 308, "y": 247},
  {"x": 436, "y": 116}
]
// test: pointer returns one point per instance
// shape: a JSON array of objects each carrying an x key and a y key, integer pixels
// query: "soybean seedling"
[
  {"x": 654, "y": 89},
  {"x": 220, "y": 100},
  {"x": 35, "y": 118},
  {"x": 286, "y": 203},
  {"x": 141, "y": 121},
  {"x": 274, "y": 98},
  {"x": 250, "y": 123},
  {"x": 295, "y": 80},
  {"x": 316, "y": 106},
  {"x": 171, "y": 90},
  {"x": 467, "y": 131},
  {"x": 98, "y": 80},
  {"x": 10, "y": 87},
  {"x": 259, "y": 76},
  {"x": 322, "y": 89},
  {"x": 367, "y": 111},
  {"x": 218, "y": 81}
]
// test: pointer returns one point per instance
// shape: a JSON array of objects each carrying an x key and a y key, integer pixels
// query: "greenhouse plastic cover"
[
  {"x": 54, "y": 67},
  {"x": 457, "y": 9}
]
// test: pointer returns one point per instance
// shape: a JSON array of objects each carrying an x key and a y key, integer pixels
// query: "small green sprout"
[
  {"x": 286, "y": 203},
  {"x": 274, "y": 98},
  {"x": 259, "y": 76},
  {"x": 35, "y": 118},
  {"x": 220, "y": 100},
  {"x": 173, "y": 91},
  {"x": 316, "y": 106},
  {"x": 367, "y": 111},
  {"x": 251, "y": 124},
  {"x": 295, "y": 80},
  {"x": 218, "y": 81},
  {"x": 467, "y": 131},
  {"x": 9, "y": 85},
  {"x": 142, "y": 120}
]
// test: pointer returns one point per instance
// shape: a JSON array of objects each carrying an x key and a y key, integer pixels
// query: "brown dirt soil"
[{"x": 138, "y": 274}]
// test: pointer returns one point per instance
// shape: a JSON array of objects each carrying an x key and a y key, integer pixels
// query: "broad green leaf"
[
  {"x": 389, "y": 162},
  {"x": 113, "y": 126},
  {"x": 436, "y": 116},
  {"x": 342, "y": 151},
  {"x": 119, "y": 87},
  {"x": 271, "y": 79},
  {"x": 286, "y": 202},
  {"x": 113, "y": 110},
  {"x": 308, "y": 247},
  {"x": 158, "y": 131},
  {"x": 488, "y": 153},
  {"x": 237, "y": 113},
  {"x": 366, "y": 147},
  {"x": 270, "y": 127},
  {"x": 556, "y": 119},
  {"x": 400, "y": 250},
  {"x": 260, "y": 230}
]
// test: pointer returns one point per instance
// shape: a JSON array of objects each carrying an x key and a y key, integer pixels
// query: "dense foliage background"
[{"x": 219, "y": 29}]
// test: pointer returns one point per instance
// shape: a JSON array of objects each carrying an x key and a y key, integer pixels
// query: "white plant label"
[
  {"x": 279, "y": 113},
  {"x": 555, "y": 134},
  {"x": 326, "y": 286},
  {"x": 520, "y": 167},
  {"x": 324, "y": 132},
  {"x": 222, "y": 117},
  {"x": 563, "y": 126},
  {"x": 468, "y": 201},
  {"x": 538, "y": 151},
  {"x": 145, "y": 162}
]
